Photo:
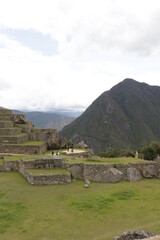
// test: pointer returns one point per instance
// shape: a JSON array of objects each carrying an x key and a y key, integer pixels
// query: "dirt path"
[{"x": 75, "y": 151}]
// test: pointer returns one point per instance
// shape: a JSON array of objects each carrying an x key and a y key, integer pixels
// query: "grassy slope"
[
  {"x": 33, "y": 143},
  {"x": 95, "y": 160},
  {"x": 72, "y": 159},
  {"x": 73, "y": 212}
]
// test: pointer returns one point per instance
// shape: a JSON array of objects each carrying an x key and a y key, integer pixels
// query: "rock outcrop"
[
  {"x": 112, "y": 175},
  {"x": 135, "y": 234},
  {"x": 149, "y": 171},
  {"x": 133, "y": 175}
]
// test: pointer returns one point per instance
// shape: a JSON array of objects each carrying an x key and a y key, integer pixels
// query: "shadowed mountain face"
[{"x": 127, "y": 116}]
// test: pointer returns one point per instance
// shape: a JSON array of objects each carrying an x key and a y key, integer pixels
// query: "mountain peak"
[
  {"x": 129, "y": 81},
  {"x": 127, "y": 116}
]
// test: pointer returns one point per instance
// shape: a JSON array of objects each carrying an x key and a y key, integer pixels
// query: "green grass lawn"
[
  {"x": 15, "y": 135},
  {"x": 28, "y": 143},
  {"x": 72, "y": 159},
  {"x": 69, "y": 212},
  {"x": 27, "y": 157},
  {"x": 35, "y": 143},
  {"x": 97, "y": 160},
  {"x": 54, "y": 171}
]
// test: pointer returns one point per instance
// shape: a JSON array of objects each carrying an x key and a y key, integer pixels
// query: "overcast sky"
[{"x": 62, "y": 54}]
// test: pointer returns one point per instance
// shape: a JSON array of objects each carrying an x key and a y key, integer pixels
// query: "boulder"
[
  {"x": 76, "y": 172},
  {"x": 112, "y": 175},
  {"x": 63, "y": 143},
  {"x": 149, "y": 171},
  {"x": 87, "y": 181},
  {"x": 133, "y": 175},
  {"x": 132, "y": 235},
  {"x": 20, "y": 119},
  {"x": 81, "y": 145},
  {"x": 157, "y": 159}
]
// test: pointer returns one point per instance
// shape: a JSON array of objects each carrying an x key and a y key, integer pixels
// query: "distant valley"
[{"x": 49, "y": 119}]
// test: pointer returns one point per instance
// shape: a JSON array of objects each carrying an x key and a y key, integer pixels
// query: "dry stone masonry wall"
[{"x": 103, "y": 173}]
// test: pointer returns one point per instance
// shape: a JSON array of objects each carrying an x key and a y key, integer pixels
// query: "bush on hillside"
[
  {"x": 148, "y": 153},
  {"x": 156, "y": 147},
  {"x": 117, "y": 153}
]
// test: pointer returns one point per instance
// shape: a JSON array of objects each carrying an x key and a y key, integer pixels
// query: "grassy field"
[
  {"x": 69, "y": 212},
  {"x": 98, "y": 160},
  {"x": 16, "y": 157},
  {"x": 53, "y": 171},
  {"x": 72, "y": 159}
]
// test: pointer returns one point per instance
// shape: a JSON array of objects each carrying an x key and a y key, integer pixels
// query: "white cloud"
[{"x": 100, "y": 42}]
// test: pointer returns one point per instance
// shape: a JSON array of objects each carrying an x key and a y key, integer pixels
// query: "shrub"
[
  {"x": 148, "y": 153},
  {"x": 117, "y": 153}
]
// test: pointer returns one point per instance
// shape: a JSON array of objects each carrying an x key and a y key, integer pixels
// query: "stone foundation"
[
  {"x": 104, "y": 173},
  {"x": 47, "y": 179},
  {"x": 46, "y": 163}
]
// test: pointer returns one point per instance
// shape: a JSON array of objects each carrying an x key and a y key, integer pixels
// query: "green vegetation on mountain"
[{"x": 125, "y": 117}]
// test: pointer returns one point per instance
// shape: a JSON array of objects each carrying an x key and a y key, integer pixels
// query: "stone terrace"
[{"x": 13, "y": 138}]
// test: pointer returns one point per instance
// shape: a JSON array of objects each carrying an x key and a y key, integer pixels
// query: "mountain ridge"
[
  {"x": 46, "y": 119},
  {"x": 126, "y": 116}
]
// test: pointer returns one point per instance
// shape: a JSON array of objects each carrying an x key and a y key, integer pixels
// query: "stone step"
[
  {"x": 24, "y": 148},
  {"x": 4, "y": 111},
  {"x": 10, "y": 131},
  {"x": 26, "y": 128},
  {"x": 6, "y": 117},
  {"x": 15, "y": 139},
  {"x": 6, "y": 124}
]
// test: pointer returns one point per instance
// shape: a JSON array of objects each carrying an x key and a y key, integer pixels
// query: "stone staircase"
[{"x": 14, "y": 137}]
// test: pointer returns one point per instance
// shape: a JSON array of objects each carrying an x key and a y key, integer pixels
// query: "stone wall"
[
  {"x": 6, "y": 124},
  {"x": 11, "y": 165},
  {"x": 76, "y": 170},
  {"x": 4, "y": 111},
  {"x": 46, "y": 163},
  {"x": 50, "y": 136},
  {"x": 14, "y": 139},
  {"x": 10, "y": 131},
  {"x": 23, "y": 149},
  {"x": 121, "y": 172},
  {"x": 26, "y": 128},
  {"x": 2, "y": 169},
  {"x": 109, "y": 173},
  {"x": 47, "y": 179}
]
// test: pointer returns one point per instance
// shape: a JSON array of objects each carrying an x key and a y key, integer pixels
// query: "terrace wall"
[
  {"x": 47, "y": 179},
  {"x": 48, "y": 163},
  {"x": 91, "y": 172},
  {"x": 23, "y": 149}
]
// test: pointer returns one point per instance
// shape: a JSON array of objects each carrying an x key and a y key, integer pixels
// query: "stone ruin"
[{"x": 19, "y": 136}]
